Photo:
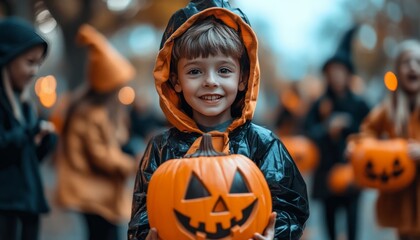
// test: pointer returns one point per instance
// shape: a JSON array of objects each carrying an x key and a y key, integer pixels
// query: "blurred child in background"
[
  {"x": 330, "y": 120},
  {"x": 92, "y": 168},
  {"x": 25, "y": 139},
  {"x": 399, "y": 117}
]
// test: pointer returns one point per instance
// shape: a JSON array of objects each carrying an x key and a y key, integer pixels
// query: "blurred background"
[{"x": 295, "y": 38}]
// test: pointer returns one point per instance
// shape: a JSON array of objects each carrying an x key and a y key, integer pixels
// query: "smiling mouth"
[
  {"x": 211, "y": 98},
  {"x": 220, "y": 232}
]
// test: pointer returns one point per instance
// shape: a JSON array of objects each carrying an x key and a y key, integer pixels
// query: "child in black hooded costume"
[
  {"x": 207, "y": 77},
  {"x": 24, "y": 138},
  {"x": 332, "y": 118}
]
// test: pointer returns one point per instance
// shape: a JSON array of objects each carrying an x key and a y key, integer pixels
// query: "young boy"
[{"x": 207, "y": 77}]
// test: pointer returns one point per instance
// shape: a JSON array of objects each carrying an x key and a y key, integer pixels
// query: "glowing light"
[
  {"x": 45, "y": 89},
  {"x": 48, "y": 84},
  {"x": 394, "y": 12},
  {"x": 126, "y": 95},
  {"x": 46, "y": 22},
  {"x": 142, "y": 40},
  {"x": 391, "y": 82},
  {"x": 38, "y": 86},
  {"x": 368, "y": 37},
  {"x": 48, "y": 99},
  {"x": 118, "y": 5}
]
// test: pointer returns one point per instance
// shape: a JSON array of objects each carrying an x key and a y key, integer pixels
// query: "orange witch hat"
[{"x": 107, "y": 69}]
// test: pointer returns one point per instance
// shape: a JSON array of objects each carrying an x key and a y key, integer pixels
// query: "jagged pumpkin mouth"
[
  {"x": 220, "y": 232},
  {"x": 384, "y": 177}
]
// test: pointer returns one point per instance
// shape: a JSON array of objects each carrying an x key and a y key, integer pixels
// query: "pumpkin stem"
[{"x": 206, "y": 148}]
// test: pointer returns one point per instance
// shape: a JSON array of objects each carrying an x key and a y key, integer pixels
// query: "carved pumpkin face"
[
  {"x": 382, "y": 164},
  {"x": 303, "y": 151},
  {"x": 208, "y": 197}
]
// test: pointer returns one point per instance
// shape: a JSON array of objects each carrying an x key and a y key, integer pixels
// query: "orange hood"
[{"x": 170, "y": 101}]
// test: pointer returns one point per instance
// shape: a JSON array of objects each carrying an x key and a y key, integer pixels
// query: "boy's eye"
[
  {"x": 193, "y": 72},
  {"x": 225, "y": 70}
]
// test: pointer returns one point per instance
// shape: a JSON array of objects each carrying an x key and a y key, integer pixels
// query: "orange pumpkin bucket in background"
[
  {"x": 303, "y": 151},
  {"x": 208, "y": 195},
  {"x": 341, "y": 177},
  {"x": 382, "y": 164}
]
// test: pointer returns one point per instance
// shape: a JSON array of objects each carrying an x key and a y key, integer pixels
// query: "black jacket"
[
  {"x": 288, "y": 189},
  {"x": 332, "y": 150},
  {"x": 20, "y": 181},
  {"x": 287, "y": 186}
]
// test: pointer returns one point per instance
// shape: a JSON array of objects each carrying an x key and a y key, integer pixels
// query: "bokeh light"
[
  {"x": 391, "y": 82},
  {"x": 126, "y": 95},
  {"x": 48, "y": 99},
  {"x": 368, "y": 36},
  {"x": 48, "y": 84},
  {"x": 142, "y": 40},
  {"x": 45, "y": 89},
  {"x": 46, "y": 22},
  {"x": 118, "y": 5}
]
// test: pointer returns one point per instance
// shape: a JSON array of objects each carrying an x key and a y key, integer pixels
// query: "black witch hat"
[
  {"x": 343, "y": 53},
  {"x": 196, "y": 6}
]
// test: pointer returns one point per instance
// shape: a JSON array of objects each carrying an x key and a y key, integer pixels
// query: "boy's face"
[
  {"x": 209, "y": 85},
  {"x": 24, "y": 68}
]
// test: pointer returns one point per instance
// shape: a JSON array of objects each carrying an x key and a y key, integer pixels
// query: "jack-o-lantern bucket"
[
  {"x": 303, "y": 151},
  {"x": 341, "y": 178},
  {"x": 208, "y": 195},
  {"x": 382, "y": 164}
]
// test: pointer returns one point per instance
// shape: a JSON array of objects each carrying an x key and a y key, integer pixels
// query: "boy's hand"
[
  {"x": 269, "y": 230},
  {"x": 152, "y": 235}
]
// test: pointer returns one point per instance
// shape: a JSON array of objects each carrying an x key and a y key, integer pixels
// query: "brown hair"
[{"x": 210, "y": 37}]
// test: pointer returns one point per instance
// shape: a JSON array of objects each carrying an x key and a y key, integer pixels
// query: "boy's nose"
[{"x": 210, "y": 81}]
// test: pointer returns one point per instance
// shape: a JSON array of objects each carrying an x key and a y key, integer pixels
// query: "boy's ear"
[
  {"x": 174, "y": 81},
  {"x": 243, "y": 82}
]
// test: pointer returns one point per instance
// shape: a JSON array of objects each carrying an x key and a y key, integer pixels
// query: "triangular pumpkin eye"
[
  {"x": 196, "y": 188},
  {"x": 397, "y": 163},
  {"x": 239, "y": 184}
]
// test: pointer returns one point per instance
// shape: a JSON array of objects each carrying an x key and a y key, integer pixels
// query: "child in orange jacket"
[{"x": 399, "y": 117}]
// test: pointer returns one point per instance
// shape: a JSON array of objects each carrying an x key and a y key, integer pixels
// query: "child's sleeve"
[
  {"x": 14, "y": 139},
  {"x": 314, "y": 126},
  {"x": 375, "y": 122},
  {"x": 288, "y": 190},
  {"x": 47, "y": 145},
  {"x": 138, "y": 226}
]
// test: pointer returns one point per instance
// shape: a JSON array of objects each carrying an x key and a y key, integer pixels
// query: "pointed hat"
[
  {"x": 107, "y": 69},
  {"x": 344, "y": 50}
]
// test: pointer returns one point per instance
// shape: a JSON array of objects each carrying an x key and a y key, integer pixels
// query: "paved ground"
[
  {"x": 367, "y": 227},
  {"x": 64, "y": 225}
]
